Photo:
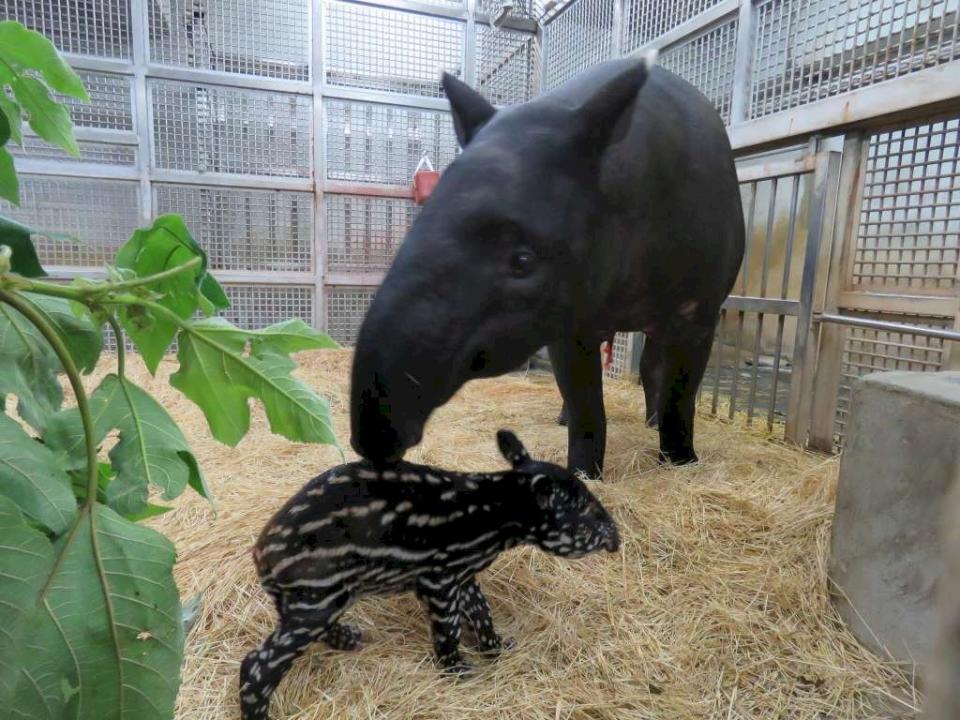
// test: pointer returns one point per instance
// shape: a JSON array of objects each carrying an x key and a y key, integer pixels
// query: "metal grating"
[
  {"x": 621, "y": 351},
  {"x": 229, "y": 130},
  {"x": 508, "y": 63},
  {"x": 266, "y": 230},
  {"x": 580, "y": 37},
  {"x": 255, "y": 306},
  {"x": 909, "y": 232},
  {"x": 866, "y": 351},
  {"x": 101, "y": 214},
  {"x": 530, "y": 9},
  {"x": 707, "y": 62},
  {"x": 249, "y": 37},
  {"x": 806, "y": 50},
  {"x": 364, "y": 233},
  {"x": 110, "y": 103},
  {"x": 383, "y": 49},
  {"x": 368, "y": 142},
  {"x": 346, "y": 308},
  {"x": 83, "y": 27},
  {"x": 90, "y": 152},
  {"x": 646, "y": 20}
]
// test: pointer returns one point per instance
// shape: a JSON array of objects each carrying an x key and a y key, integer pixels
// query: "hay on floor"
[{"x": 715, "y": 607}]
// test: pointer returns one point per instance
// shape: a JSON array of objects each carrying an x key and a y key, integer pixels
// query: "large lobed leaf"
[
  {"x": 164, "y": 246},
  {"x": 218, "y": 376},
  {"x": 21, "y": 49},
  {"x": 93, "y": 620},
  {"x": 28, "y": 365}
]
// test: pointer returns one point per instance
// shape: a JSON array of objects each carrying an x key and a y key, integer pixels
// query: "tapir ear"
[
  {"x": 470, "y": 110},
  {"x": 511, "y": 448},
  {"x": 603, "y": 109}
]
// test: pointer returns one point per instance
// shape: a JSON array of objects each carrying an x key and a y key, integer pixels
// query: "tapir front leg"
[{"x": 576, "y": 365}]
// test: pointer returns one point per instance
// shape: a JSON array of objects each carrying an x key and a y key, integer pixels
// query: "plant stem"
[
  {"x": 121, "y": 350},
  {"x": 149, "y": 279},
  {"x": 51, "y": 335}
]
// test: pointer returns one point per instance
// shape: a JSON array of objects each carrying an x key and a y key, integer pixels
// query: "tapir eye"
[{"x": 522, "y": 263}]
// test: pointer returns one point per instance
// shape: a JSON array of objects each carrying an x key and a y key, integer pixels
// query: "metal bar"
[
  {"x": 716, "y": 376},
  {"x": 269, "y": 182},
  {"x": 941, "y": 306},
  {"x": 617, "y": 29},
  {"x": 783, "y": 168},
  {"x": 227, "y": 79},
  {"x": 421, "y": 8},
  {"x": 374, "y": 277},
  {"x": 141, "y": 115},
  {"x": 694, "y": 25},
  {"x": 770, "y": 306},
  {"x": 764, "y": 269},
  {"x": 918, "y": 95},
  {"x": 27, "y": 166},
  {"x": 340, "y": 187},
  {"x": 942, "y": 334},
  {"x": 88, "y": 62},
  {"x": 743, "y": 64},
  {"x": 383, "y": 97},
  {"x": 510, "y": 22},
  {"x": 745, "y": 271},
  {"x": 319, "y": 166},
  {"x": 470, "y": 46},
  {"x": 92, "y": 134}
]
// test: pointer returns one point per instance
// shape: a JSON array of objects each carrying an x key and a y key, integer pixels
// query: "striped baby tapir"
[{"x": 356, "y": 530}]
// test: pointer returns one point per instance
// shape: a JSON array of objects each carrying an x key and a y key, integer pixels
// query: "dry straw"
[{"x": 715, "y": 607}]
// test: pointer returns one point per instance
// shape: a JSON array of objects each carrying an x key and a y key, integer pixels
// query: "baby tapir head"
[{"x": 569, "y": 520}]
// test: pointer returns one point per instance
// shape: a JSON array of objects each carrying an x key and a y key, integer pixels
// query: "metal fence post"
[
  {"x": 470, "y": 44},
  {"x": 823, "y": 188},
  {"x": 140, "y": 38},
  {"x": 830, "y": 352},
  {"x": 743, "y": 64},
  {"x": 616, "y": 48},
  {"x": 319, "y": 167}
]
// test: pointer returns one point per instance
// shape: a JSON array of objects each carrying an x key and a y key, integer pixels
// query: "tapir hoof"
[
  {"x": 678, "y": 457},
  {"x": 562, "y": 419}
]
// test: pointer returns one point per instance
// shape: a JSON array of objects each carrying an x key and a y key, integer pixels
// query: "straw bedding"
[{"x": 715, "y": 607}]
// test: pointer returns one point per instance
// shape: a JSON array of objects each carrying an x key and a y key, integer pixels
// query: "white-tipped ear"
[
  {"x": 650, "y": 58},
  {"x": 511, "y": 448}
]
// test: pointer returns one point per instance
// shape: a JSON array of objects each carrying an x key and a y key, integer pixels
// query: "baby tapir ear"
[
  {"x": 603, "y": 109},
  {"x": 511, "y": 447},
  {"x": 470, "y": 110}
]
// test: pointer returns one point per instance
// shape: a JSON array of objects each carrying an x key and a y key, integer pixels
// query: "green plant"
[{"x": 90, "y": 617}]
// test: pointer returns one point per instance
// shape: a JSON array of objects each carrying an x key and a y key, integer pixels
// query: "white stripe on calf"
[{"x": 394, "y": 553}]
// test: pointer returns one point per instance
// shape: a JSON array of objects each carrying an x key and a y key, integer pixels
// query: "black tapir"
[{"x": 608, "y": 204}]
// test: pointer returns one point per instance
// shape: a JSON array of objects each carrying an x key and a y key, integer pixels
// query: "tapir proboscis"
[{"x": 608, "y": 204}]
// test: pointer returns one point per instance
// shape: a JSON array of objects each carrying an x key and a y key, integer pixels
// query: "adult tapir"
[{"x": 610, "y": 203}]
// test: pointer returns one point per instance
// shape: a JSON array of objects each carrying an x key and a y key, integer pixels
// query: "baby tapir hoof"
[
  {"x": 358, "y": 530},
  {"x": 678, "y": 457}
]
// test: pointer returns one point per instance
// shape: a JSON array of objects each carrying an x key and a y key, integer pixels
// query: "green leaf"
[
  {"x": 11, "y": 111},
  {"x": 105, "y": 621},
  {"x": 30, "y": 477},
  {"x": 165, "y": 245},
  {"x": 9, "y": 185},
  {"x": 283, "y": 337},
  {"x": 213, "y": 292},
  {"x": 18, "y": 237},
  {"x": 150, "y": 511},
  {"x": 26, "y": 559},
  {"x": 48, "y": 118},
  {"x": 85, "y": 341},
  {"x": 4, "y": 129},
  {"x": 215, "y": 374},
  {"x": 26, "y": 48},
  {"x": 151, "y": 452}
]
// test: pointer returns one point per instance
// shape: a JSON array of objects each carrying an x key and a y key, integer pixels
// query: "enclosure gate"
[{"x": 285, "y": 131}]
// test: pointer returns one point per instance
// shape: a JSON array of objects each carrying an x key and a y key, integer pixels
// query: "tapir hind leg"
[
  {"x": 576, "y": 365},
  {"x": 672, "y": 375}
]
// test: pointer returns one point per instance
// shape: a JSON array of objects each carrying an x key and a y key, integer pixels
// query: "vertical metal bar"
[
  {"x": 824, "y": 184},
  {"x": 616, "y": 45},
  {"x": 826, "y": 381},
  {"x": 470, "y": 44},
  {"x": 764, "y": 269},
  {"x": 141, "y": 109},
  {"x": 716, "y": 375},
  {"x": 319, "y": 165},
  {"x": 743, "y": 291},
  {"x": 784, "y": 288},
  {"x": 743, "y": 64}
]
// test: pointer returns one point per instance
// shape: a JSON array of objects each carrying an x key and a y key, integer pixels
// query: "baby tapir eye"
[{"x": 522, "y": 262}]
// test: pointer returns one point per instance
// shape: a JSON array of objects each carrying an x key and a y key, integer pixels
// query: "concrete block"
[
  {"x": 902, "y": 456},
  {"x": 944, "y": 673}
]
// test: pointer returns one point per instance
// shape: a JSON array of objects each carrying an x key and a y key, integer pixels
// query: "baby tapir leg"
[
  {"x": 343, "y": 637},
  {"x": 263, "y": 669},
  {"x": 476, "y": 611},
  {"x": 442, "y": 597}
]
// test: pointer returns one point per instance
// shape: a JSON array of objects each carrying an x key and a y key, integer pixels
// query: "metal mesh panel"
[
  {"x": 582, "y": 36},
  {"x": 110, "y": 103},
  {"x": 84, "y": 27},
  {"x": 621, "y": 350},
  {"x": 508, "y": 64},
  {"x": 346, "y": 308},
  {"x": 255, "y": 306},
  {"x": 268, "y": 38},
  {"x": 707, "y": 62},
  {"x": 521, "y": 8},
  {"x": 229, "y": 130},
  {"x": 806, "y": 50},
  {"x": 646, "y": 20},
  {"x": 383, "y": 49},
  {"x": 92, "y": 152},
  {"x": 364, "y": 233},
  {"x": 866, "y": 351},
  {"x": 101, "y": 214},
  {"x": 383, "y": 143},
  {"x": 245, "y": 229},
  {"x": 909, "y": 233}
]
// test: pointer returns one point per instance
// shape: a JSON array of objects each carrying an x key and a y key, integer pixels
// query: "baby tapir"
[{"x": 356, "y": 530}]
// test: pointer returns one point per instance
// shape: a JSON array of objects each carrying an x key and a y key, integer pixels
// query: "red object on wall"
[{"x": 425, "y": 179}]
